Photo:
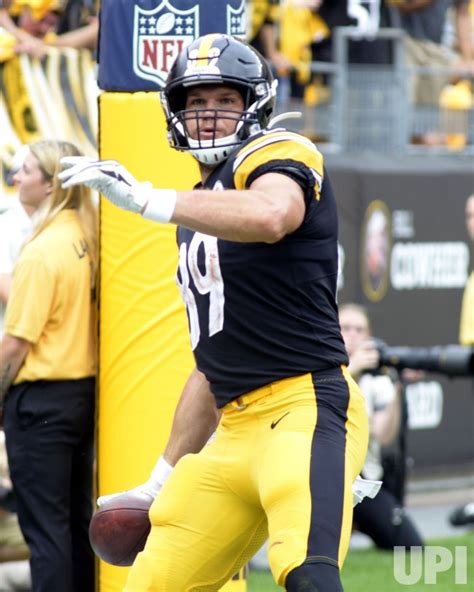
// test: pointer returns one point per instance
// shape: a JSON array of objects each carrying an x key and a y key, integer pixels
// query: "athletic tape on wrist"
[
  {"x": 161, "y": 471},
  {"x": 160, "y": 206}
]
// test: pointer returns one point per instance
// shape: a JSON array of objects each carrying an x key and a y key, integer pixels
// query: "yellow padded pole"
[{"x": 145, "y": 354}]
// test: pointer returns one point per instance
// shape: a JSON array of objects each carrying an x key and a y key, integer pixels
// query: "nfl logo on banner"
[
  {"x": 237, "y": 21},
  {"x": 159, "y": 35}
]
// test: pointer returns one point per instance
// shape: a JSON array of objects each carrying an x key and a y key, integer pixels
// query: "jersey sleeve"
[
  {"x": 30, "y": 300},
  {"x": 281, "y": 152}
]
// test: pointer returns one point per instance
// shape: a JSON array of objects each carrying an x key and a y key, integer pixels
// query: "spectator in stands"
[
  {"x": 362, "y": 48},
  {"x": 37, "y": 25},
  {"x": 424, "y": 22},
  {"x": 6, "y": 21},
  {"x": 382, "y": 518},
  {"x": 263, "y": 36},
  {"x": 48, "y": 357},
  {"x": 465, "y": 514},
  {"x": 16, "y": 35},
  {"x": 300, "y": 26}
]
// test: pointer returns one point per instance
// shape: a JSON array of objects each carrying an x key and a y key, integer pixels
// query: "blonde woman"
[{"x": 48, "y": 366}]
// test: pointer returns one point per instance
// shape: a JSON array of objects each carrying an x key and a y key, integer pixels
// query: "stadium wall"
[{"x": 424, "y": 258}]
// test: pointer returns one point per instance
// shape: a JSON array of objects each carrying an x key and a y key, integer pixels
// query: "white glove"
[
  {"x": 150, "y": 489},
  {"x": 119, "y": 186},
  {"x": 364, "y": 488}
]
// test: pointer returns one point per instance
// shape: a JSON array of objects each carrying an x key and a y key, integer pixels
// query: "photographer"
[{"x": 382, "y": 518}]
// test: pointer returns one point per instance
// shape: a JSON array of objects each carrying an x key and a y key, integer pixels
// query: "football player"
[{"x": 257, "y": 271}]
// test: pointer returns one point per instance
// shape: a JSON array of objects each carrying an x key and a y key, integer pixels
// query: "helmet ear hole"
[{"x": 229, "y": 62}]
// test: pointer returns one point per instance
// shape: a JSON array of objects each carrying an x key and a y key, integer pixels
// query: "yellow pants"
[{"x": 281, "y": 465}]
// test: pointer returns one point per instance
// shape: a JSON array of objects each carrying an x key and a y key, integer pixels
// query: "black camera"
[{"x": 450, "y": 360}]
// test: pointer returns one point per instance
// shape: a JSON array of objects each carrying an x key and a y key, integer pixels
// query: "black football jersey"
[{"x": 261, "y": 312}]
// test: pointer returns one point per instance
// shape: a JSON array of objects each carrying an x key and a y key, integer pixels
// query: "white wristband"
[
  {"x": 160, "y": 206},
  {"x": 161, "y": 471}
]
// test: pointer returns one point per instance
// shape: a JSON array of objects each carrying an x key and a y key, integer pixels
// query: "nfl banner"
[
  {"x": 139, "y": 39},
  {"x": 159, "y": 35}
]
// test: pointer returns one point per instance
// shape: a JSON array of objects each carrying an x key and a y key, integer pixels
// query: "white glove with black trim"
[
  {"x": 119, "y": 186},
  {"x": 149, "y": 489}
]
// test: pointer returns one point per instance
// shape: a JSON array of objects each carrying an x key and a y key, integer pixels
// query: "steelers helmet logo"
[{"x": 376, "y": 242}]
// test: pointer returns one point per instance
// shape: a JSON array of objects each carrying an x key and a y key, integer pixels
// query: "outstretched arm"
[{"x": 271, "y": 208}]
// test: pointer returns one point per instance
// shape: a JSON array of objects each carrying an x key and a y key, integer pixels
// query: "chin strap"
[
  {"x": 213, "y": 152},
  {"x": 282, "y": 116}
]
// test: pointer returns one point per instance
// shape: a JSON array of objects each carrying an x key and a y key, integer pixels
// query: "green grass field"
[{"x": 371, "y": 570}]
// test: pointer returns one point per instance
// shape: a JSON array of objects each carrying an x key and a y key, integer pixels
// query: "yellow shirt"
[
  {"x": 51, "y": 304},
  {"x": 466, "y": 329},
  {"x": 299, "y": 27}
]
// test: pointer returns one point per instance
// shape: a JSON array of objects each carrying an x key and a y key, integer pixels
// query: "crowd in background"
[
  {"x": 35, "y": 26},
  {"x": 292, "y": 34}
]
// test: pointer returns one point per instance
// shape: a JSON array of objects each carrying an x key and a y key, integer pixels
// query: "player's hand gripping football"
[
  {"x": 149, "y": 489},
  {"x": 119, "y": 186}
]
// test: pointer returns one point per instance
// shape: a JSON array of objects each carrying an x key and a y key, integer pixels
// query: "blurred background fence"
[
  {"x": 349, "y": 108},
  {"x": 375, "y": 108}
]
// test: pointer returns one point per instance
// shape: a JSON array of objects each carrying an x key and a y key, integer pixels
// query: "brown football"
[{"x": 119, "y": 529}]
